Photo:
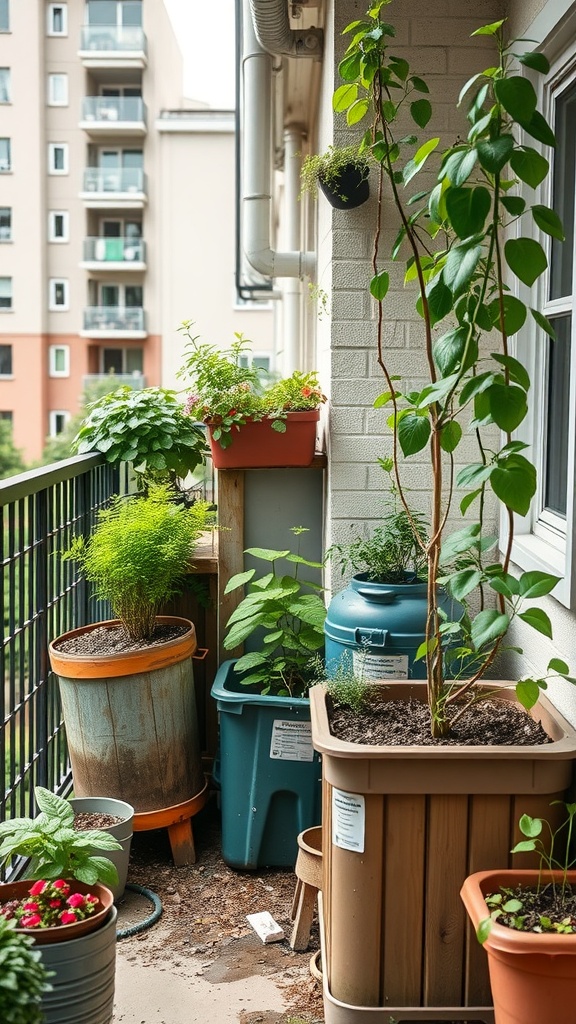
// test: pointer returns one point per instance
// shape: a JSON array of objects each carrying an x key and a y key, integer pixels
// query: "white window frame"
[
  {"x": 52, "y": 358},
  {"x": 8, "y": 169},
  {"x": 544, "y": 541},
  {"x": 7, "y": 8},
  {"x": 53, "y": 284},
  {"x": 52, "y": 236},
  {"x": 52, "y": 422},
  {"x": 52, "y": 99},
  {"x": 8, "y": 376},
  {"x": 10, "y": 308},
  {"x": 50, "y": 12},
  {"x": 52, "y": 147},
  {"x": 9, "y": 237},
  {"x": 8, "y": 85}
]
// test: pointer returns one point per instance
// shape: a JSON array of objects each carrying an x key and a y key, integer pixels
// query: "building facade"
[{"x": 98, "y": 220}]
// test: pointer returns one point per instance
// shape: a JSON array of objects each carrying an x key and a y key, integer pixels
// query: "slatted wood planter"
[{"x": 397, "y": 944}]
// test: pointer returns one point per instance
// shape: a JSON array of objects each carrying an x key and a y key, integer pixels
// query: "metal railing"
[
  {"x": 136, "y": 380},
  {"x": 104, "y": 38},
  {"x": 41, "y": 511},
  {"x": 114, "y": 318},
  {"x": 114, "y": 109},
  {"x": 114, "y": 179},
  {"x": 114, "y": 250}
]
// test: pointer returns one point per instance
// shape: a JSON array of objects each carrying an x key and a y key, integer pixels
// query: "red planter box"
[{"x": 257, "y": 445}]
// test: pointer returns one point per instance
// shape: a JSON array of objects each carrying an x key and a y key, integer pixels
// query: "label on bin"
[
  {"x": 380, "y": 666},
  {"x": 348, "y": 820},
  {"x": 291, "y": 741}
]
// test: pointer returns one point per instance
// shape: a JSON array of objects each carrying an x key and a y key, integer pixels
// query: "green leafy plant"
[
  {"x": 138, "y": 554},
  {"x": 328, "y": 167},
  {"x": 23, "y": 977},
  {"x": 148, "y": 428},
  {"x": 228, "y": 389},
  {"x": 392, "y": 554},
  {"x": 522, "y": 910},
  {"x": 289, "y": 619},
  {"x": 453, "y": 240},
  {"x": 347, "y": 686},
  {"x": 55, "y": 848}
]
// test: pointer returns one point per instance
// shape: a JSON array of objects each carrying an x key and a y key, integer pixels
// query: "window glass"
[
  {"x": 5, "y": 223},
  {"x": 5, "y": 85},
  {"x": 563, "y": 193},
  {"x": 134, "y": 360},
  {"x": 4, "y": 16},
  {"x": 5, "y": 360},
  {"x": 58, "y": 293},
  {"x": 556, "y": 423},
  {"x": 5, "y": 293},
  {"x": 57, "y": 19},
  {"x": 6, "y": 415},
  {"x": 58, "y": 421},
  {"x": 58, "y": 226},
  {"x": 134, "y": 295},
  {"x": 58, "y": 90},
  {"x": 59, "y": 360},
  {"x": 57, "y": 158},
  {"x": 5, "y": 155}
]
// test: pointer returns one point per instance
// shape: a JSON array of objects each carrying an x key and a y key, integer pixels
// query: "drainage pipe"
[
  {"x": 292, "y": 287},
  {"x": 272, "y": 25}
]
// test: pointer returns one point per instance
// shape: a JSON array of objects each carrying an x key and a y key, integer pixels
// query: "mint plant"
[
  {"x": 290, "y": 621},
  {"x": 452, "y": 239},
  {"x": 55, "y": 848},
  {"x": 148, "y": 428},
  {"x": 23, "y": 977}
]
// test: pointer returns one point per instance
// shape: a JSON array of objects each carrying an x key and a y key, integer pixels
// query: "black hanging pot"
[{"x": 348, "y": 189}]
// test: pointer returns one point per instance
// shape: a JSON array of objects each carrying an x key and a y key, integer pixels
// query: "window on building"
[
  {"x": 5, "y": 360},
  {"x": 57, "y": 20},
  {"x": 5, "y": 223},
  {"x": 5, "y": 293},
  {"x": 4, "y": 15},
  {"x": 263, "y": 362},
  {"x": 58, "y": 221},
  {"x": 58, "y": 90},
  {"x": 5, "y": 93},
  {"x": 57, "y": 420},
  {"x": 57, "y": 158},
  {"x": 59, "y": 360},
  {"x": 115, "y": 12},
  {"x": 58, "y": 294},
  {"x": 121, "y": 360},
  {"x": 5, "y": 155},
  {"x": 6, "y": 415},
  {"x": 544, "y": 539}
]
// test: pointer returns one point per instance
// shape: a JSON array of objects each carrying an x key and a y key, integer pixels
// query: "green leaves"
[
  {"x": 379, "y": 285},
  {"x": 514, "y": 482},
  {"x": 459, "y": 166},
  {"x": 518, "y": 97},
  {"x": 548, "y": 221},
  {"x": 538, "y": 619},
  {"x": 460, "y": 266},
  {"x": 413, "y": 433},
  {"x": 468, "y": 209},
  {"x": 526, "y": 259},
  {"x": 421, "y": 111},
  {"x": 529, "y": 165},
  {"x": 487, "y": 626},
  {"x": 494, "y": 154}
]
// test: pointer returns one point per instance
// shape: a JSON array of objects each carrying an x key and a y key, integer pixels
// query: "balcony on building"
[
  {"x": 113, "y": 46},
  {"x": 113, "y": 115},
  {"x": 114, "y": 254},
  {"x": 136, "y": 381},
  {"x": 114, "y": 322},
  {"x": 119, "y": 188}
]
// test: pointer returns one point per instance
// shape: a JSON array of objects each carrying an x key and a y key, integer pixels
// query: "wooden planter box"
[{"x": 417, "y": 821}]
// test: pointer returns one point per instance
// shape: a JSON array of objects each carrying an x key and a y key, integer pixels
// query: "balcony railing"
[
  {"x": 114, "y": 250},
  {"x": 114, "y": 318},
  {"x": 41, "y": 511},
  {"x": 114, "y": 110},
  {"x": 136, "y": 381},
  {"x": 113, "y": 38},
  {"x": 108, "y": 180}
]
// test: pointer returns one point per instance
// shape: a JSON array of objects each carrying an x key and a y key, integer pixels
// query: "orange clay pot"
[
  {"x": 532, "y": 976},
  {"x": 66, "y": 932}
]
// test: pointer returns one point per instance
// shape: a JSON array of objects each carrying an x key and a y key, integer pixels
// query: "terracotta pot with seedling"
[{"x": 409, "y": 787}]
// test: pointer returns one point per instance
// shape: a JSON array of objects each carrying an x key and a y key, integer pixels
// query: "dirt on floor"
[{"x": 203, "y": 924}]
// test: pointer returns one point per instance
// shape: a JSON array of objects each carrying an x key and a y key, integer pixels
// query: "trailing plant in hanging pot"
[
  {"x": 341, "y": 173},
  {"x": 460, "y": 253}
]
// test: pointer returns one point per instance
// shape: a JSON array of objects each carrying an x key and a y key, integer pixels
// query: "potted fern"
[
  {"x": 127, "y": 685},
  {"x": 404, "y": 801}
]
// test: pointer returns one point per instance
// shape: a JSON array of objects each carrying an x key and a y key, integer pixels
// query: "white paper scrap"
[{"x": 265, "y": 926}]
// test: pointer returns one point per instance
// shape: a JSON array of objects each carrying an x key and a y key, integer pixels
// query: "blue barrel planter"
[
  {"x": 377, "y": 628},
  {"x": 270, "y": 775}
]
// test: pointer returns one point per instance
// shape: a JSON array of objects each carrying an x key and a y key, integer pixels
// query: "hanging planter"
[
  {"x": 340, "y": 173},
  {"x": 348, "y": 189}
]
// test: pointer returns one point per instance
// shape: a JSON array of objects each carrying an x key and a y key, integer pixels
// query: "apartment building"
[{"x": 96, "y": 214}]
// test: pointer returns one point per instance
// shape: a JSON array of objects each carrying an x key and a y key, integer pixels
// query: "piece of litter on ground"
[{"x": 265, "y": 926}]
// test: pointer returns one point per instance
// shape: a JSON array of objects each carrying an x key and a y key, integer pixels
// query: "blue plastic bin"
[{"x": 270, "y": 776}]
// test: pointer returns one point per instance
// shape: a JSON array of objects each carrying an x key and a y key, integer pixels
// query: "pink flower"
[
  {"x": 55, "y": 904},
  {"x": 30, "y": 920},
  {"x": 90, "y": 898},
  {"x": 75, "y": 900},
  {"x": 68, "y": 917},
  {"x": 61, "y": 885},
  {"x": 37, "y": 888}
]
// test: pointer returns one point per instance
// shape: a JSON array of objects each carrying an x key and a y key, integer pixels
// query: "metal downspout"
[{"x": 256, "y": 164}]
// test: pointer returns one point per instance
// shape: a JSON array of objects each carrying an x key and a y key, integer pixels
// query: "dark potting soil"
[
  {"x": 115, "y": 640},
  {"x": 406, "y": 723},
  {"x": 555, "y": 903},
  {"x": 86, "y": 820}
]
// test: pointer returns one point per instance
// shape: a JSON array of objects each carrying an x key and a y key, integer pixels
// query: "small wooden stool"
[{"x": 309, "y": 874}]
